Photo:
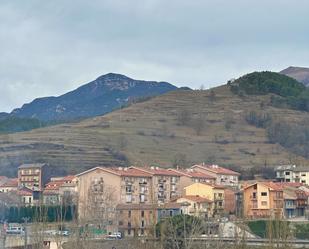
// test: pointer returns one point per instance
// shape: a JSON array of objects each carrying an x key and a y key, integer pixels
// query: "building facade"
[
  {"x": 225, "y": 177},
  {"x": 263, "y": 200},
  {"x": 293, "y": 173},
  {"x": 32, "y": 176}
]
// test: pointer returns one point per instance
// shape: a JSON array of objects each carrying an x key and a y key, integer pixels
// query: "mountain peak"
[
  {"x": 301, "y": 74},
  {"x": 113, "y": 76}
]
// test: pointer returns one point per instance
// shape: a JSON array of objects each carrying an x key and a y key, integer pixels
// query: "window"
[
  {"x": 129, "y": 231},
  {"x": 287, "y": 173},
  {"x": 129, "y": 198},
  {"x": 142, "y": 213},
  {"x": 129, "y": 213},
  {"x": 142, "y": 231},
  {"x": 129, "y": 224},
  {"x": 303, "y": 174},
  {"x": 142, "y": 198},
  {"x": 264, "y": 203},
  {"x": 264, "y": 194},
  {"x": 120, "y": 223},
  {"x": 254, "y": 195},
  {"x": 171, "y": 212},
  {"x": 143, "y": 223}
]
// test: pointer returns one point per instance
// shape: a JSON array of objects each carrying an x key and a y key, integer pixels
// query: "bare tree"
[
  {"x": 184, "y": 117},
  {"x": 199, "y": 124}
]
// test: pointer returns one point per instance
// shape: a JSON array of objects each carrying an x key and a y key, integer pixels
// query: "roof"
[
  {"x": 158, "y": 171},
  {"x": 170, "y": 205},
  {"x": 272, "y": 185},
  {"x": 120, "y": 171},
  {"x": 196, "y": 198},
  {"x": 216, "y": 169},
  {"x": 208, "y": 184},
  {"x": 32, "y": 165},
  {"x": 25, "y": 191},
  {"x": 56, "y": 184},
  {"x": 192, "y": 173},
  {"x": 10, "y": 183},
  {"x": 295, "y": 168},
  {"x": 135, "y": 207}
]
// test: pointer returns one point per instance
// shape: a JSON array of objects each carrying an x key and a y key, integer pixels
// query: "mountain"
[
  {"x": 299, "y": 73},
  {"x": 178, "y": 128},
  {"x": 3, "y": 115},
  {"x": 103, "y": 95}
]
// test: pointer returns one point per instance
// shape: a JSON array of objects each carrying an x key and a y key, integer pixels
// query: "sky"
[{"x": 50, "y": 47}]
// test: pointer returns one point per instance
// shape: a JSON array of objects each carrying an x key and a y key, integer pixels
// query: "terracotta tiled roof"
[
  {"x": 196, "y": 198},
  {"x": 32, "y": 165},
  {"x": 131, "y": 171},
  {"x": 170, "y": 205},
  {"x": 192, "y": 173},
  {"x": 25, "y": 192},
  {"x": 10, "y": 183},
  {"x": 217, "y": 169},
  {"x": 135, "y": 207},
  {"x": 158, "y": 171}
]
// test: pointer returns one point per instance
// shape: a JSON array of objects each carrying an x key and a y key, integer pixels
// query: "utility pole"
[{"x": 25, "y": 220}]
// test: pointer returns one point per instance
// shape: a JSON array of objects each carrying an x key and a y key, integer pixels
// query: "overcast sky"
[{"x": 51, "y": 47}]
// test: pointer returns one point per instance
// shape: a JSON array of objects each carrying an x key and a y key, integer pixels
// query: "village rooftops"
[
  {"x": 119, "y": 171},
  {"x": 157, "y": 171},
  {"x": 216, "y": 169},
  {"x": 196, "y": 198},
  {"x": 10, "y": 183},
  {"x": 215, "y": 186},
  {"x": 32, "y": 165},
  {"x": 193, "y": 174}
]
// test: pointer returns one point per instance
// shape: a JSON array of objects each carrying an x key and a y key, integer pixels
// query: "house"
[
  {"x": 293, "y": 173},
  {"x": 189, "y": 176},
  {"x": 196, "y": 205},
  {"x": 168, "y": 210},
  {"x": 214, "y": 193},
  {"x": 11, "y": 184},
  {"x": 29, "y": 197},
  {"x": 33, "y": 176},
  {"x": 262, "y": 200},
  {"x": 225, "y": 177},
  {"x": 136, "y": 219},
  {"x": 60, "y": 190}
]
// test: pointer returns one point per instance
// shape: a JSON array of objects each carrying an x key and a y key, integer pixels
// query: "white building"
[{"x": 293, "y": 173}]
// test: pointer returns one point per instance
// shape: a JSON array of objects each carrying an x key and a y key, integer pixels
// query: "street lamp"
[{"x": 184, "y": 204}]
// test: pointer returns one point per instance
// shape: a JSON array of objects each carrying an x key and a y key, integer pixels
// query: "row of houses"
[{"x": 133, "y": 199}]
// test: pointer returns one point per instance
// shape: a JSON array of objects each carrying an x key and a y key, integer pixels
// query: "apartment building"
[
  {"x": 165, "y": 183},
  {"x": 136, "y": 219},
  {"x": 196, "y": 205},
  {"x": 33, "y": 176},
  {"x": 262, "y": 200},
  {"x": 102, "y": 189},
  {"x": 225, "y": 177},
  {"x": 213, "y": 193},
  {"x": 293, "y": 173},
  {"x": 190, "y": 176}
]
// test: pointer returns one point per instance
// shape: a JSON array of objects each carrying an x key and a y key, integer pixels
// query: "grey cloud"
[{"x": 50, "y": 47}]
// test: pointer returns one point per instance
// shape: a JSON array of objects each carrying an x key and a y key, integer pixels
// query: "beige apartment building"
[
  {"x": 101, "y": 190},
  {"x": 224, "y": 176}
]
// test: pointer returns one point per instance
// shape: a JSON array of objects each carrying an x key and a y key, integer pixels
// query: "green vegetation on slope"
[
  {"x": 16, "y": 124},
  {"x": 289, "y": 91}
]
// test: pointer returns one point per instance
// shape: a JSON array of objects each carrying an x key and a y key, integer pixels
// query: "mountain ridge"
[{"x": 104, "y": 94}]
